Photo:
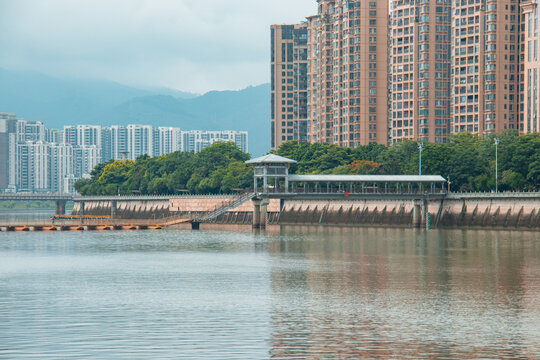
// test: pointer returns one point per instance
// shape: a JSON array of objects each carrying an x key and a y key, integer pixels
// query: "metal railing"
[{"x": 224, "y": 208}]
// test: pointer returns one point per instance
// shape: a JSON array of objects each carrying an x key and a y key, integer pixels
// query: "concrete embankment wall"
[
  {"x": 498, "y": 212},
  {"x": 353, "y": 212},
  {"x": 150, "y": 209},
  {"x": 125, "y": 209},
  {"x": 456, "y": 211},
  {"x": 520, "y": 211}
]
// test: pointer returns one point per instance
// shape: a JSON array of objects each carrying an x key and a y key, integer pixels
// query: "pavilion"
[{"x": 271, "y": 175}]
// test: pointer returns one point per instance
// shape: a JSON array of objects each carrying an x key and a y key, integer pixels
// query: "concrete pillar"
[
  {"x": 263, "y": 213},
  {"x": 417, "y": 213},
  {"x": 113, "y": 209},
  {"x": 60, "y": 207},
  {"x": 425, "y": 211},
  {"x": 256, "y": 224}
]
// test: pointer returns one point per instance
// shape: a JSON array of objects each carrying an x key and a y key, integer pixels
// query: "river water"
[{"x": 290, "y": 293}]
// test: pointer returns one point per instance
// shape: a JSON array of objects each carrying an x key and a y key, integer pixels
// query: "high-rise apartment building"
[
  {"x": 83, "y": 135},
  {"x": 140, "y": 140},
  {"x": 54, "y": 136},
  {"x": 85, "y": 159},
  {"x": 167, "y": 140},
  {"x": 485, "y": 66},
  {"x": 347, "y": 75},
  {"x": 33, "y": 166},
  {"x": 289, "y": 67},
  {"x": 90, "y": 135},
  {"x": 420, "y": 70},
  {"x": 8, "y": 131},
  {"x": 60, "y": 166},
  {"x": 531, "y": 67},
  {"x": 119, "y": 142},
  {"x": 30, "y": 131}
]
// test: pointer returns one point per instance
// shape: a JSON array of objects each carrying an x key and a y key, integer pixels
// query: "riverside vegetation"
[{"x": 468, "y": 160}]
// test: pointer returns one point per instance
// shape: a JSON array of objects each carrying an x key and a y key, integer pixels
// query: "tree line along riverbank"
[{"x": 467, "y": 160}]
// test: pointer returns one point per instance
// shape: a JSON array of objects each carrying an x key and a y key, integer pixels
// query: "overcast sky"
[{"x": 190, "y": 45}]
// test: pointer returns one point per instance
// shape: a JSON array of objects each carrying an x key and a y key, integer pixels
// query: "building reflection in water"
[{"x": 399, "y": 293}]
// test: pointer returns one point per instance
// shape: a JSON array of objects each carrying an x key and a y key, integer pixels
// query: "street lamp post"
[
  {"x": 420, "y": 147},
  {"x": 496, "y": 165}
]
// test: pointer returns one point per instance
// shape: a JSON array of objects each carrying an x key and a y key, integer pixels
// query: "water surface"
[{"x": 298, "y": 292}]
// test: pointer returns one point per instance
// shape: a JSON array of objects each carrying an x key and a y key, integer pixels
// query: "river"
[{"x": 289, "y": 293}]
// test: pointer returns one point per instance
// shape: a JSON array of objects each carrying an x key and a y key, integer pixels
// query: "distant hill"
[{"x": 58, "y": 102}]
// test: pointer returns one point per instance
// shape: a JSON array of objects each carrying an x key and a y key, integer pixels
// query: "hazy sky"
[{"x": 191, "y": 45}]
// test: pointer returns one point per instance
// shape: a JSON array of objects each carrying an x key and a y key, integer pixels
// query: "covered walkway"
[{"x": 271, "y": 176}]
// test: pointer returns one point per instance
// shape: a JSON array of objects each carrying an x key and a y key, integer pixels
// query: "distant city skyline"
[
  {"x": 40, "y": 159},
  {"x": 184, "y": 45}
]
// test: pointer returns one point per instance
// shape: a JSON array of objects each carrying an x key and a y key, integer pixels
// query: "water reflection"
[
  {"x": 386, "y": 293},
  {"x": 293, "y": 292},
  {"x": 10, "y": 215}
]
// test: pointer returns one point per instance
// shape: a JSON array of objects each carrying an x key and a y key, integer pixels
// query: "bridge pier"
[
  {"x": 195, "y": 225},
  {"x": 61, "y": 207}
]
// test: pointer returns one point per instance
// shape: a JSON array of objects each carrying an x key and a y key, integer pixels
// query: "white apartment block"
[
  {"x": 90, "y": 135},
  {"x": 33, "y": 167},
  {"x": 8, "y": 133},
  {"x": 167, "y": 140},
  {"x": 85, "y": 159},
  {"x": 140, "y": 140},
  {"x": 60, "y": 166},
  {"x": 83, "y": 135},
  {"x": 119, "y": 142},
  {"x": 54, "y": 136},
  {"x": 30, "y": 131},
  {"x": 197, "y": 140}
]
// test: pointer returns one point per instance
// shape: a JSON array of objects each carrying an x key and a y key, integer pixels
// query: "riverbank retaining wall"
[
  {"x": 456, "y": 211},
  {"x": 353, "y": 212},
  {"x": 502, "y": 211},
  {"x": 162, "y": 208}
]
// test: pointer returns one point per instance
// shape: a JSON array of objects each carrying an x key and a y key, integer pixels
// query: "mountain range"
[{"x": 62, "y": 101}]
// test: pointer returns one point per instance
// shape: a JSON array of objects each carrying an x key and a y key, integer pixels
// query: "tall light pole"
[
  {"x": 420, "y": 147},
  {"x": 496, "y": 164}
]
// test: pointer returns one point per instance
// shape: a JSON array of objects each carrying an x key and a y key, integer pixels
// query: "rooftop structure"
[
  {"x": 273, "y": 167},
  {"x": 271, "y": 159}
]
